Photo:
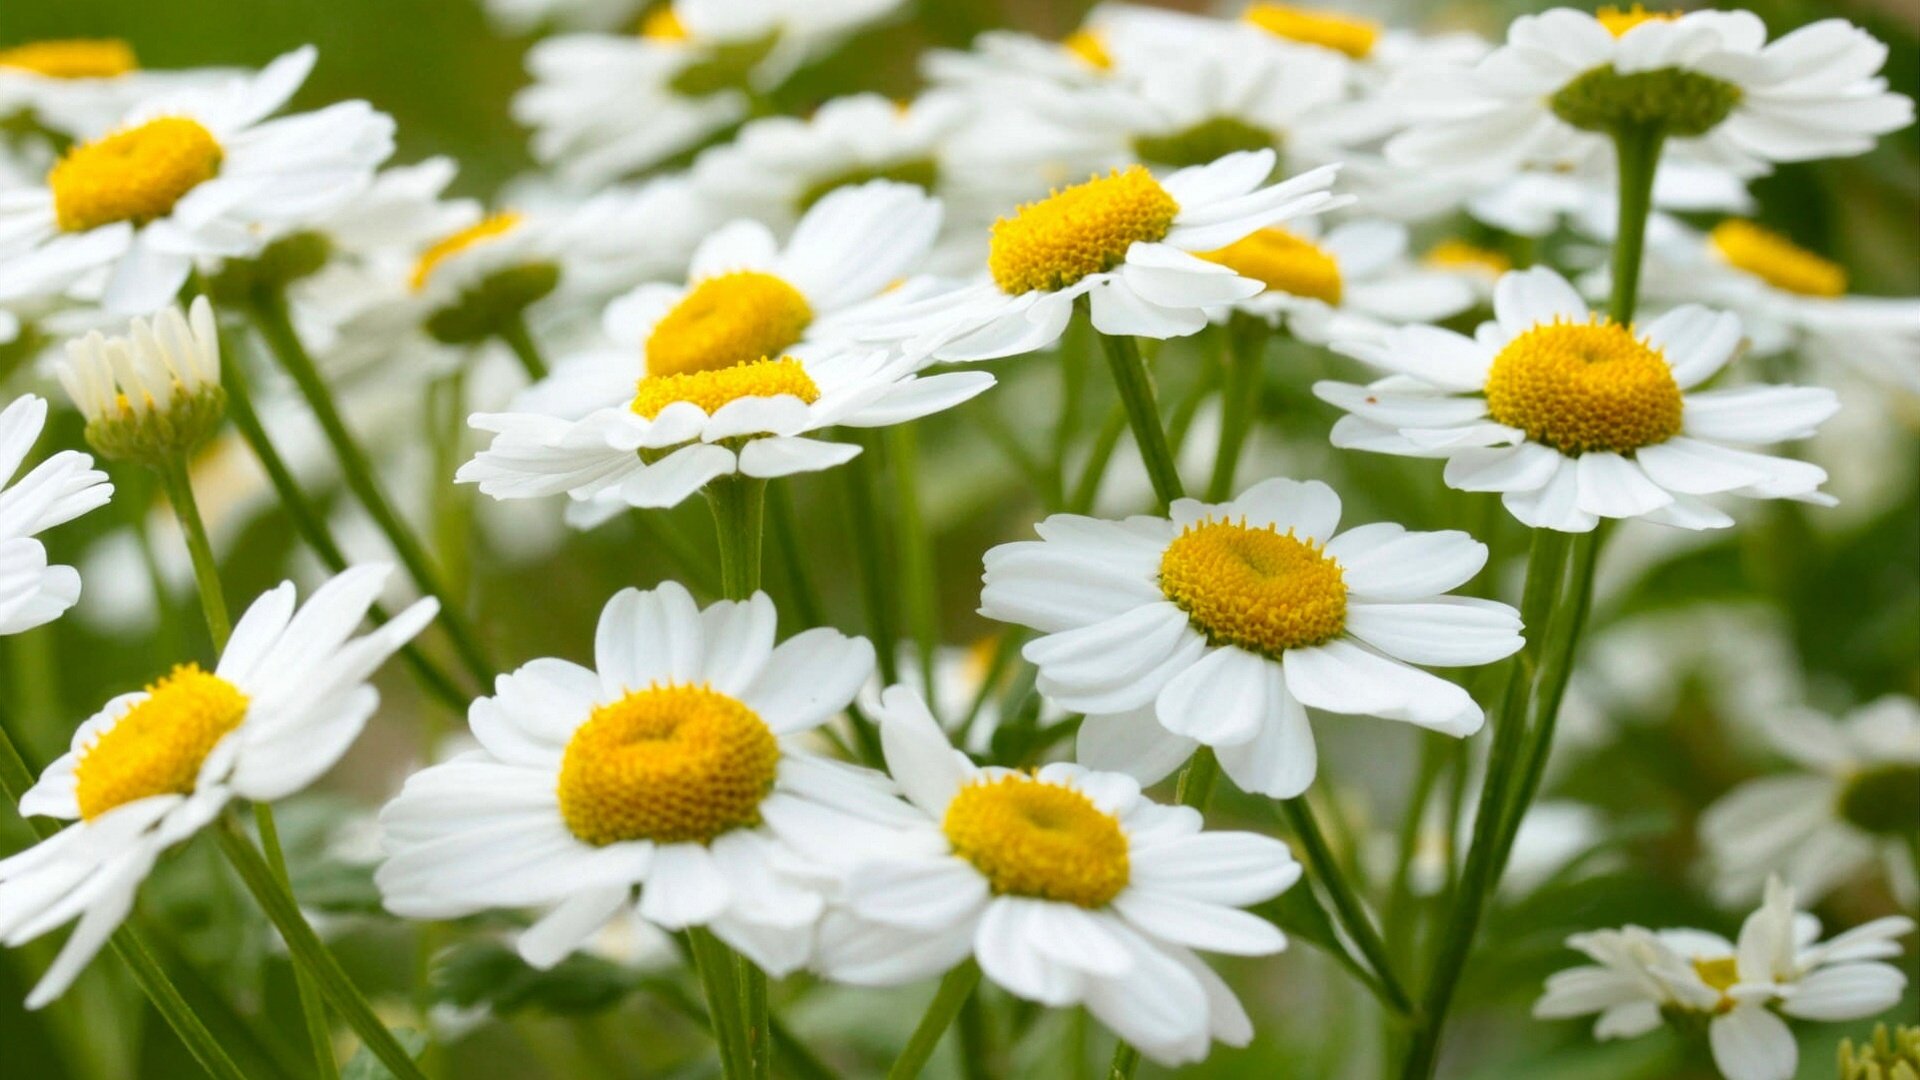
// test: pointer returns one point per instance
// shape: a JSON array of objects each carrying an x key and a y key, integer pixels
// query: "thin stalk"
[
  {"x": 1637, "y": 150},
  {"x": 717, "y": 975},
  {"x": 206, "y": 570},
  {"x": 954, "y": 991},
  {"x": 1195, "y": 785},
  {"x": 739, "y": 509},
  {"x": 1347, "y": 905},
  {"x": 1395, "y": 917},
  {"x": 1095, "y": 469},
  {"x": 270, "y": 318},
  {"x": 1135, "y": 384},
  {"x": 870, "y": 558},
  {"x": 513, "y": 330},
  {"x": 1125, "y": 1060},
  {"x": 1239, "y": 394},
  {"x": 915, "y": 545},
  {"x": 313, "y": 1010},
  {"x": 308, "y": 952}
]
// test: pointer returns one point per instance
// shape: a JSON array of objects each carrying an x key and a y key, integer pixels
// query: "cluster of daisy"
[{"x": 699, "y": 293}]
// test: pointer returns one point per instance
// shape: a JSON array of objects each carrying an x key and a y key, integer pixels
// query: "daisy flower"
[
  {"x": 78, "y": 86},
  {"x": 1742, "y": 991},
  {"x": 1849, "y": 808},
  {"x": 1127, "y": 241},
  {"x": 189, "y": 179},
  {"x": 674, "y": 766},
  {"x": 1222, "y": 625},
  {"x": 1573, "y": 417},
  {"x": 151, "y": 768},
  {"x": 152, "y": 395},
  {"x": 56, "y": 491},
  {"x": 1067, "y": 885},
  {"x": 1566, "y": 81}
]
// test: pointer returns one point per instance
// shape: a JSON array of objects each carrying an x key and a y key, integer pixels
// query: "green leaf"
[
  {"x": 365, "y": 1066},
  {"x": 490, "y": 974}
]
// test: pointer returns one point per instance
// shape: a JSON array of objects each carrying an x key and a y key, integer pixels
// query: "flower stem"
[
  {"x": 512, "y": 329},
  {"x": 1347, "y": 905},
  {"x": 1246, "y": 348},
  {"x": 206, "y": 570},
  {"x": 313, "y": 1010},
  {"x": 1135, "y": 384},
  {"x": 862, "y": 476},
  {"x": 916, "y": 550},
  {"x": 1195, "y": 785},
  {"x": 1637, "y": 151},
  {"x": 309, "y": 953},
  {"x": 739, "y": 508},
  {"x": 270, "y": 317},
  {"x": 715, "y": 963},
  {"x": 954, "y": 991}
]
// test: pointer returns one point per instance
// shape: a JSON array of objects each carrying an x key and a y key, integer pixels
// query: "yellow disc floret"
[
  {"x": 727, "y": 320},
  {"x": 673, "y": 764},
  {"x": 712, "y": 389},
  {"x": 662, "y": 24},
  {"x": 1263, "y": 590},
  {"x": 136, "y": 174},
  {"x": 1620, "y": 20},
  {"x": 491, "y": 227},
  {"x": 1585, "y": 386},
  {"x": 1720, "y": 973},
  {"x": 157, "y": 748},
  {"x": 1284, "y": 262},
  {"x": 1084, "y": 229},
  {"x": 1086, "y": 45},
  {"x": 1777, "y": 260},
  {"x": 74, "y": 58},
  {"x": 1327, "y": 29},
  {"x": 1031, "y": 838},
  {"x": 1460, "y": 255}
]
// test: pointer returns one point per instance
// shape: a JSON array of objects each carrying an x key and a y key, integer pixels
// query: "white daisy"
[
  {"x": 153, "y": 394},
  {"x": 152, "y": 767},
  {"x": 1573, "y": 417},
  {"x": 79, "y": 86},
  {"x": 1850, "y": 808},
  {"x": 1128, "y": 242},
  {"x": 1534, "y": 202},
  {"x": 57, "y": 490},
  {"x": 189, "y": 179},
  {"x": 1224, "y": 624},
  {"x": 1067, "y": 885},
  {"x": 1566, "y": 80},
  {"x": 1741, "y": 991},
  {"x": 675, "y": 766}
]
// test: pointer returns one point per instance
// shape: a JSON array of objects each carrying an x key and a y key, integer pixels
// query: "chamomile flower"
[
  {"x": 153, "y": 767},
  {"x": 189, "y": 179},
  {"x": 1222, "y": 625},
  {"x": 1741, "y": 991},
  {"x": 674, "y": 766},
  {"x": 1129, "y": 242},
  {"x": 154, "y": 394},
  {"x": 78, "y": 86},
  {"x": 59, "y": 489},
  {"x": 1566, "y": 80},
  {"x": 1067, "y": 885},
  {"x": 1847, "y": 810},
  {"x": 1573, "y": 417}
]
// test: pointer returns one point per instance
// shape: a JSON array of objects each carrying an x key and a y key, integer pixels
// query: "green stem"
[
  {"x": 739, "y": 508},
  {"x": 1637, "y": 151},
  {"x": 1095, "y": 470},
  {"x": 270, "y": 318},
  {"x": 1246, "y": 348},
  {"x": 954, "y": 991},
  {"x": 1347, "y": 905},
  {"x": 862, "y": 478},
  {"x": 313, "y": 1010},
  {"x": 1125, "y": 1060},
  {"x": 1135, "y": 384},
  {"x": 206, "y": 570},
  {"x": 1396, "y": 918},
  {"x": 916, "y": 550},
  {"x": 1195, "y": 785},
  {"x": 513, "y": 330},
  {"x": 308, "y": 952},
  {"x": 718, "y": 976}
]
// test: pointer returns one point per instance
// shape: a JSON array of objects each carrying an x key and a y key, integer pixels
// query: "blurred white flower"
[{"x": 59, "y": 489}]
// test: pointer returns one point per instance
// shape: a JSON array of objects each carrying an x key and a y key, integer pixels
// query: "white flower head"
[
  {"x": 1741, "y": 990},
  {"x": 674, "y": 766},
  {"x": 1573, "y": 417},
  {"x": 151, "y": 768},
  {"x": 59, "y": 489},
  {"x": 1222, "y": 625},
  {"x": 154, "y": 394},
  {"x": 188, "y": 179},
  {"x": 1103, "y": 905},
  {"x": 78, "y": 86}
]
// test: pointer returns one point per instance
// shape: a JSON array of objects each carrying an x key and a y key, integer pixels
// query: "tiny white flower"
[
  {"x": 59, "y": 489},
  {"x": 153, "y": 395},
  {"x": 1067, "y": 885},
  {"x": 1222, "y": 625}
]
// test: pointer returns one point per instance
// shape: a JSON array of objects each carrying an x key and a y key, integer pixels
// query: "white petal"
[{"x": 1751, "y": 1043}]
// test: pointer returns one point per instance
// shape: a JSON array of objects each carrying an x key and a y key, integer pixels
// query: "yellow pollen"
[
  {"x": 1087, "y": 45},
  {"x": 727, "y": 320},
  {"x": 75, "y": 58},
  {"x": 491, "y": 227},
  {"x": 1720, "y": 973},
  {"x": 158, "y": 746},
  {"x": 1777, "y": 260},
  {"x": 1084, "y": 229},
  {"x": 1460, "y": 255},
  {"x": 1585, "y": 386},
  {"x": 1032, "y": 838},
  {"x": 673, "y": 764},
  {"x": 661, "y": 24},
  {"x": 712, "y": 389},
  {"x": 1258, "y": 588},
  {"x": 1284, "y": 262},
  {"x": 133, "y": 175},
  {"x": 1620, "y": 20},
  {"x": 1327, "y": 29}
]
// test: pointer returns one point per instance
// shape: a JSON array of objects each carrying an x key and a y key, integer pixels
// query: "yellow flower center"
[
  {"x": 1720, "y": 973},
  {"x": 1084, "y": 229},
  {"x": 1777, "y": 260},
  {"x": 158, "y": 746},
  {"x": 728, "y": 320},
  {"x": 76, "y": 58},
  {"x": 133, "y": 175},
  {"x": 671, "y": 764},
  {"x": 1460, "y": 255},
  {"x": 712, "y": 389},
  {"x": 1088, "y": 46},
  {"x": 1585, "y": 386},
  {"x": 491, "y": 227},
  {"x": 661, "y": 24},
  {"x": 1284, "y": 262},
  {"x": 1032, "y": 838},
  {"x": 1618, "y": 21},
  {"x": 1327, "y": 29},
  {"x": 1258, "y": 588}
]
